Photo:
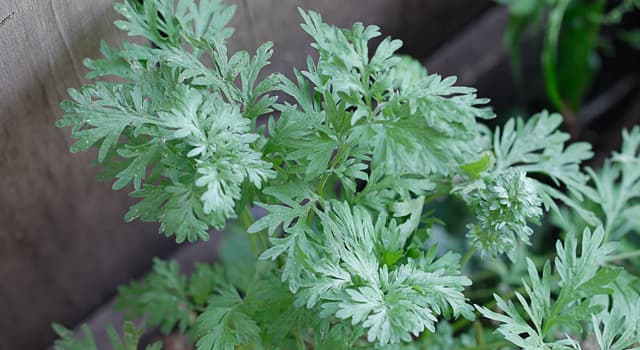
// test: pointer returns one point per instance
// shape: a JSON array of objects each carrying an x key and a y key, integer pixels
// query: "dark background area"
[{"x": 64, "y": 247}]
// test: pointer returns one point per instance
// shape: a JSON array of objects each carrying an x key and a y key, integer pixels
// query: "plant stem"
[
  {"x": 332, "y": 164},
  {"x": 247, "y": 220},
  {"x": 483, "y": 275},
  {"x": 490, "y": 346},
  {"x": 436, "y": 195},
  {"x": 299, "y": 341},
  {"x": 624, "y": 256},
  {"x": 549, "y": 53},
  {"x": 477, "y": 325},
  {"x": 325, "y": 178},
  {"x": 254, "y": 244},
  {"x": 467, "y": 257},
  {"x": 264, "y": 242},
  {"x": 262, "y": 236},
  {"x": 480, "y": 293}
]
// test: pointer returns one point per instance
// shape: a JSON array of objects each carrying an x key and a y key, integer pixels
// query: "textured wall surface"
[{"x": 63, "y": 244}]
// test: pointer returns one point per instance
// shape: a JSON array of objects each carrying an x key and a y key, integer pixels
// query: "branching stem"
[
  {"x": 624, "y": 256},
  {"x": 257, "y": 240},
  {"x": 467, "y": 256}
]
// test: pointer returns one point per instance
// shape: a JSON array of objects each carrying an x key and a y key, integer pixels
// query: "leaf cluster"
[
  {"x": 182, "y": 133},
  {"x": 344, "y": 175},
  {"x": 68, "y": 341}
]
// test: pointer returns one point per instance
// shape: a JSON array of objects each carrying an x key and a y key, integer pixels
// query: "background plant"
[
  {"x": 570, "y": 32},
  {"x": 348, "y": 171}
]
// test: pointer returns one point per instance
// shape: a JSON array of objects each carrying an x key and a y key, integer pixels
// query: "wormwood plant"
[{"x": 352, "y": 173}]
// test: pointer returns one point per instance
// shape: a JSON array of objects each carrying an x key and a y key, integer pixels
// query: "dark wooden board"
[{"x": 63, "y": 244}]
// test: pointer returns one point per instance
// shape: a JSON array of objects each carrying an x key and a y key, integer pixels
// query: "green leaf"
[
  {"x": 392, "y": 302},
  {"x": 113, "y": 63},
  {"x": 164, "y": 24},
  {"x": 344, "y": 169},
  {"x": 537, "y": 146},
  {"x": 617, "y": 327},
  {"x": 117, "y": 108},
  {"x": 68, "y": 341},
  {"x": 523, "y": 15},
  {"x": 476, "y": 168},
  {"x": 141, "y": 156},
  {"x": 223, "y": 325},
  {"x": 576, "y": 60},
  {"x": 617, "y": 186},
  {"x": 582, "y": 279},
  {"x": 161, "y": 297},
  {"x": 130, "y": 340}
]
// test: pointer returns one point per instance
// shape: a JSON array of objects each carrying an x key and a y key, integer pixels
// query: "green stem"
[
  {"x": 479, "y": 294},
  {"x": 254, "y": 245},
  {"x": 490, "y": 346},
  {"x": 264, "y": 243},
  {"x": 557, "y": 308},
  {"x": 322, "y": 184},
  {"x": 278, "y": 168},
  {"x": 334, "y": 161},
  {"x": 483, "y": 275},
  {"x": 477, "y": 325},
  {"x": 436, "y": 195},
  {"x": 624, "y": 256},
  {"x": 549, "y": 53},
  {"x": 467, "y": 257},
  {"x": 299, "y": 341},
  {"x": 551, "y": 320},
  {"x": 247, "y": 220},
  {"x": 323, "y": 181},
  {"x": 262, "y": 236}
]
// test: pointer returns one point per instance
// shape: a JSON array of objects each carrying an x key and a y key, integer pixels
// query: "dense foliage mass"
[{"x": 355, "y": 174}]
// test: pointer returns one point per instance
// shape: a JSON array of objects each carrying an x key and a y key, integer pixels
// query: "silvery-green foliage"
[
  {"x": 503, "y": 210},
  {"x": 349, "y": 174},
  {"x": 181, "y": 132},
  {"x": 580, "y": 276}
]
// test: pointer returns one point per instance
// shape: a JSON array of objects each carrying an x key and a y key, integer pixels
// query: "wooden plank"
[
  {"x": 477, "y": 57},
  {"x": 423, "y": 25},
  {"x": 63, "y": 245}
]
